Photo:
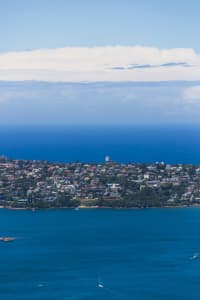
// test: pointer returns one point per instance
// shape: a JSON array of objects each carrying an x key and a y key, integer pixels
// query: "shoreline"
[{"x": 82, "y": 207}]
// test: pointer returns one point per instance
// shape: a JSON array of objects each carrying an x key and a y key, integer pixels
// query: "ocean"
[
  {"x": 143, "y": 254},
  {"x": 171, "y": 144}
]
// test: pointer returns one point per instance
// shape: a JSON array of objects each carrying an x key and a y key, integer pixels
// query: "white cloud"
[
  {"x": 111, "y": 63},
  {"x": 192, "y": 94}
]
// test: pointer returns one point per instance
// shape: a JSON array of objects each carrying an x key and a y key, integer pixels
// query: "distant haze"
[{"x": 99, "y": 103}]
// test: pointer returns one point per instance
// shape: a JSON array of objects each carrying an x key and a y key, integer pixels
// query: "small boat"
[
  {"x": 100, "y": 284},
  {"x": 6, "y": 239},
  {"x": 194, "y": 256}
]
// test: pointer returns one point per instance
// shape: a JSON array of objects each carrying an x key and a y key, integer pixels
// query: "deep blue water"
[
  {"x": 135, "y": 254},
  {"x": 173, "y": 144}
]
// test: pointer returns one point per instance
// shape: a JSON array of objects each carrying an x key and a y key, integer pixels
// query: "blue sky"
[
  {"x": 99, "y": 62},
  {"x": 33, "y": 24}
]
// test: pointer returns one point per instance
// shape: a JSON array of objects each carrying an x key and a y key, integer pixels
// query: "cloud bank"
[
  {"x": 111, "y": 63},
  {"x": 99, "y": 103}
]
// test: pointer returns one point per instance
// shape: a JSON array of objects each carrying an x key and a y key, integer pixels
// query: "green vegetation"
[{"x": 30, "y": 184}]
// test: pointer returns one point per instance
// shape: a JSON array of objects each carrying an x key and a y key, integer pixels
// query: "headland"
[{"x": 26, "y": 184}]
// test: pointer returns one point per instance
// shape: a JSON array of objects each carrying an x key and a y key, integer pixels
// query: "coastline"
[{"x": 83, "y": 207}]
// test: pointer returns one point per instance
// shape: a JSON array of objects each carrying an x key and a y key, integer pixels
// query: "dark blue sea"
[
  {"x": 100, "y": 254},
  {"x": 169, "y": 143}
]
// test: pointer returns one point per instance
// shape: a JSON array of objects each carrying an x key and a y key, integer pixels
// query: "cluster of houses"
[{"x": 31, "y": 183}]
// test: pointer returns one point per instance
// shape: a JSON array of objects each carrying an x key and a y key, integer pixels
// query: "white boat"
[
  {"x": 100, "y": 284},
  {"x": 195, "y": 256}
]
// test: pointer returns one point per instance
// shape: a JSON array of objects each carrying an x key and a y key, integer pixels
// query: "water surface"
[
  {"x": 134, "y": 254},
  {"x": 147, "y": 143}
]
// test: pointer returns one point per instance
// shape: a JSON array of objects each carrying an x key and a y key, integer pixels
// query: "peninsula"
[{"x": 40, "y": 184}]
